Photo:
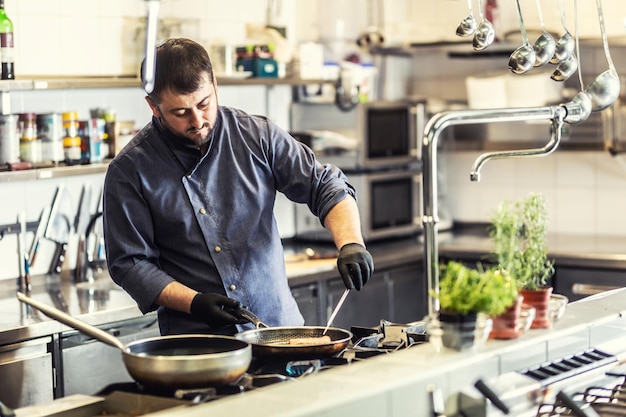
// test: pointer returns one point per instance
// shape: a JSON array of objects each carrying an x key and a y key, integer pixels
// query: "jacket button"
[
  {"x": 218, "y": 249},
  {"x": 202, "y": 211},
  {"x": 232, "y": 287}
]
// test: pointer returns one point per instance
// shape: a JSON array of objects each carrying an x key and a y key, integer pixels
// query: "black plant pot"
[{"x": 458, "y": 330}]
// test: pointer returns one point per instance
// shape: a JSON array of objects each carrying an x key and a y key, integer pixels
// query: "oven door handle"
[
  {"x": 489, "y": 394},
  {"x": 592, "y": 289}
]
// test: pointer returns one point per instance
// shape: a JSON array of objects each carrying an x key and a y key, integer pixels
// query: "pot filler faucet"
[{"x": 572, "y": 112}]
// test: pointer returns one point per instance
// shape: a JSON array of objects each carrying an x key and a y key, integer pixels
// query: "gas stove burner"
[
  {"x": 389, "y": 336},
  {"x": 594, "y": 401}
]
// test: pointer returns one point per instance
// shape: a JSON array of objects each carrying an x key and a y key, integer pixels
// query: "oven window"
[
  {"x": 392, "y": 203},
  {"x": 388, "y": 132}
]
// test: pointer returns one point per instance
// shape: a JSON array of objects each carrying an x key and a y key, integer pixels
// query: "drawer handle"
[{"x": 590, "y": 289}]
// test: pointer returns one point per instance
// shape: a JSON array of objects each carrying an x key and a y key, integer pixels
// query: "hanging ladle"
[
  {"x": 485, "y": 32},
  {"x": 605, "y": 88},
  {"x": 468, "y": 26},
  {"x": 566, "y": 68},
  {"x": 545, "y": 45},
  {"x": 565, "y": 45},
  {"x": 582, "y": 100},
  {"x": 523, "y": 58}
]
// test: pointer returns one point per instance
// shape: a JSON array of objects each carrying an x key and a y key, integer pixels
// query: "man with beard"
[{"x": 188, "y": 206}]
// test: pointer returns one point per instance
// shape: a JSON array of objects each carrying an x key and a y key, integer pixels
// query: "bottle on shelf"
[
  {"x": 30, "y": 144},
  {"x": 7, "y": 54},
  {"x": 71, "y": 138}
]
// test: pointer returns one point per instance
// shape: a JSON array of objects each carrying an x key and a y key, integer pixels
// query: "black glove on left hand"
[
  {"x": 355, "y": 265},
  {"x": 216, "y": 309}
]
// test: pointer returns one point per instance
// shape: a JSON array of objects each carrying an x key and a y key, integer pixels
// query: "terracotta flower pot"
[
  {"x": 507, "y": 324},
  {"x": 539, "y": 299}
]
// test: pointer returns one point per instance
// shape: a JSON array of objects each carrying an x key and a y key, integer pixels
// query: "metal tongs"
[{"x": 336, "y": 310}]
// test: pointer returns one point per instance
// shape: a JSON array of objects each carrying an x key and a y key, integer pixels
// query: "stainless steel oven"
[{"x": 389, "y": 204}]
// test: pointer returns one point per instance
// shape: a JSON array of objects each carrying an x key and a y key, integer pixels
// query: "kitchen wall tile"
[
  {"x": 575, "y": 168},
  {"x": 114, "y": 48},
  {"x": 82, "y": 37},
  {"x": 577, "y": 211},
  {"x": 611, "y": 170},
  {"x": 610, "y": 215},
  {"x": 43, "y": 102},
  {"x": 33, "y": 53},
  {"x": 535, "y": 171},
  {"x": 128, "y": 103}
]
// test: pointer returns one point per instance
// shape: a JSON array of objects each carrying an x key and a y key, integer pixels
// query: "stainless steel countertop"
[
  {"x": 104, "y": 302},
  {"x": 95, "y": 303}
]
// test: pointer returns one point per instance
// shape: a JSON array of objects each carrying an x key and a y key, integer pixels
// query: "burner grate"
[
  {"x": 569, "y": 366},
  {"x": 603, "y": 401}
]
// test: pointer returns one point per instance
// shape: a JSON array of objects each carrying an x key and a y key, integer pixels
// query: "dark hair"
[{"x": 180, "y": 65}]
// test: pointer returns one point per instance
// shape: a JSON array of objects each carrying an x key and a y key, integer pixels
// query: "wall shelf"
[
  {"x": 60, "y": 171},
  {"x": 59, "y": 83}
]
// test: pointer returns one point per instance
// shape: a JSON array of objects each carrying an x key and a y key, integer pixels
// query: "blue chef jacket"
[{"x": 208, "y": 221}]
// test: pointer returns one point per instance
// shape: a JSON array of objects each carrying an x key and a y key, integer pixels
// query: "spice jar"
[
  {"x": 30, "y": 145},
  {"x": 71, "y": 138},
  {"x": 9, "y": 139},
  {"x": 50, "y": 132}
]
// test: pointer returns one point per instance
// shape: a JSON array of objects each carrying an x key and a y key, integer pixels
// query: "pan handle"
[
  {"x": 68, "y": 320},
  {"x": 246, "y": 314}
]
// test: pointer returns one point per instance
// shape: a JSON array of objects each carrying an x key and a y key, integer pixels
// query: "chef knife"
[{"x": 336, "y": 310}]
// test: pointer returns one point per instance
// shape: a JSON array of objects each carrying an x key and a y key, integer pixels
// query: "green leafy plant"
[
  {"x": 466, "y": 290},
  {"x": 519, "y": 231}
]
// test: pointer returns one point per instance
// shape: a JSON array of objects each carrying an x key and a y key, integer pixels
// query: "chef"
[{"x": 188, "y": 208}]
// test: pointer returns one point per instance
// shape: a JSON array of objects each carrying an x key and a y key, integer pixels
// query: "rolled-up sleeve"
[{"x": 303, "y": 179}]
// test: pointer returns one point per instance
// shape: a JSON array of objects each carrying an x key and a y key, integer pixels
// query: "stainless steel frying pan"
[
  {"x": 167, "y": 362},
  {"x": 274, "y": 342}
]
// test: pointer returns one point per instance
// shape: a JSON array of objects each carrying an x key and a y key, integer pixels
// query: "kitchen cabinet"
[
  {"x": 26, "y": 372},
  {"x": 309, "y": 302},
  {"x": 361, "y": 308},
  {"x": 396, "y": 293},
  {"x": 409, "y": 293},
  {"x": 90, "y": 365}
]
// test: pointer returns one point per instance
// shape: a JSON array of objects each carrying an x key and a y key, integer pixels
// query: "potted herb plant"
[
  {"x": 519, "y": 232},
  {"x": 465, "y": 292}
]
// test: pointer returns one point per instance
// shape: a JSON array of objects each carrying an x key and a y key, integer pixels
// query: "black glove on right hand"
[
  {"x": 355, "y": 265},
  {"x": 216, "y": 309}
]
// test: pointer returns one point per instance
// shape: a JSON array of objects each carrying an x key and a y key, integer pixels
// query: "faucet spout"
[{"x": 555, "y": 138}]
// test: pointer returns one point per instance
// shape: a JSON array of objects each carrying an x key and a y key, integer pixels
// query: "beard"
[{"x": 190, "y": 137}]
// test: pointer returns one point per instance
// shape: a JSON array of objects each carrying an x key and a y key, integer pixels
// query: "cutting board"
[{"x": 309, "y": 266}]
